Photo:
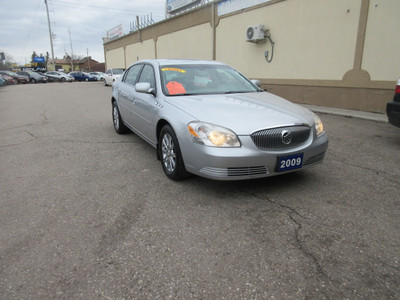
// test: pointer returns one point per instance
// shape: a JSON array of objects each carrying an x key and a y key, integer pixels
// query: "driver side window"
[
  {"x": 131, "y": 74},
  {"x": 148, "y": 76}
]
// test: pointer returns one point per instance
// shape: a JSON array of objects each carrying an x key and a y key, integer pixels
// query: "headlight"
[
  {"x": 212, "y": 135},
  {"x": 319, "y": 127}
]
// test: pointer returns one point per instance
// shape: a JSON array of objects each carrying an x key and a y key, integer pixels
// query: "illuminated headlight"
[
  {"x": 319, "y": 127},
  {"x": 212, "y": 135}
]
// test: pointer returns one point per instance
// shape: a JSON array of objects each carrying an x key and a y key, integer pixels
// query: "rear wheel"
[
  {"x": 33, "y": 80},
  {"x": 170, "y": 154},
  {"x": 119, "y": 125}
]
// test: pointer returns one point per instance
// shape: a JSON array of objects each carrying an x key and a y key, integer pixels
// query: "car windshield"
[
  {"x": 198, "y": 79},
  {"x": 118, "y": 71}
]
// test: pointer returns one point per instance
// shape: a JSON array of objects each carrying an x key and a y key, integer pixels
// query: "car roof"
[{"x": 166, "y": 62}]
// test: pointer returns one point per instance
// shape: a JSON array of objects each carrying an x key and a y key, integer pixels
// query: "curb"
[{"x": 377, "y": 117}]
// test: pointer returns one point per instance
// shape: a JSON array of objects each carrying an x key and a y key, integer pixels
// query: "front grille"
[
  {"x": 232, "y": 172},
  {"x": 271, "y": 139},
  {"x": 248, "y": 171}
]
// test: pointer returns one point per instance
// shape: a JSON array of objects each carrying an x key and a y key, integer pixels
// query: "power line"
[{"x": 100, "y": 8}]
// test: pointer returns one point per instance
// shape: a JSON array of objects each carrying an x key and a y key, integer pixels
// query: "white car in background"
[
  {"x": 99, "y": 75},
  {"x": 111, "y": 75},
  {"x": 59, "y": 76}
]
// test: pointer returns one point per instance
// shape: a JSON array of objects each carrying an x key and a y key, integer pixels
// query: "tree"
[
  {"x": 33, "y": 56},
  {"x": 74, "y": 59},
  {"x": 7, "y": 63}
]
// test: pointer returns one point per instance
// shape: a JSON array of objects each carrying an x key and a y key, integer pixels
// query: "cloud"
[{"x": 81, "y": 23}]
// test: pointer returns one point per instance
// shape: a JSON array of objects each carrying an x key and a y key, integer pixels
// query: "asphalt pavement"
[{"x": 86, "y": 213}]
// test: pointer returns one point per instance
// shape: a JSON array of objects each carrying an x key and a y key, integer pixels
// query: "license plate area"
[{"x": 289, "y": 162}]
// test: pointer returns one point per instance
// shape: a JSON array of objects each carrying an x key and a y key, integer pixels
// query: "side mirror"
[
  {"x": 145, "y": 87},
  {"x": 256, "y": 82}
]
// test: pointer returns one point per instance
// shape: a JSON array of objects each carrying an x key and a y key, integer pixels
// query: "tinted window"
[
  {"x": 148, "y": 76},
  {"x": 132, "y": 73}
]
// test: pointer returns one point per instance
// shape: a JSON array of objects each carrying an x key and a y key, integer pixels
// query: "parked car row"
[
  {"x": 6, "y": 80},
  {"x": 16, "y": 77},
  {"x": 33, "y": 77},
  {"x": 8, "y": 77}
]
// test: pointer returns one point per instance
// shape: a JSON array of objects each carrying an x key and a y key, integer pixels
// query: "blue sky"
[{"x": 24, "y": 26}]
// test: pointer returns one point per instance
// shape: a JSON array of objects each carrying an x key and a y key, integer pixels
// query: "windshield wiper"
[
  {"x": 237, "y": 92},
  {"x": 184, "y": 94}
]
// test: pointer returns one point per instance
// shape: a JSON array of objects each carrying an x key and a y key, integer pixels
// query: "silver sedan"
[{"x": 207, "y": 119}]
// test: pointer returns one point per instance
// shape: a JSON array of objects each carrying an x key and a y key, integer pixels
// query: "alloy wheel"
[
  {"x": 116, "y": 117},
  {"x": 168, "y": 153}
]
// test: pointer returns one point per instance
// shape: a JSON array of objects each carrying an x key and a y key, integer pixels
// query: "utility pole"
[
  {"x": 72, "y": 51},
  {"x": 50, "y": 34},
  {"x": 88, "y": 58}
]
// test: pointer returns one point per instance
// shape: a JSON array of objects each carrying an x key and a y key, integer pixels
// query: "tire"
[
  {"x": 33, "y": 80},
  {"x": 105, "y": 83},
  {"x": 119, "y": 125},
  {"x": 170, "y": 155},
  {"x": 63, "y": 79},
  {"x": 86, "y": 79}
]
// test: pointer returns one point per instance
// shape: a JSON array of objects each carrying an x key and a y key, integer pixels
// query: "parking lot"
[{"x": 89, "y": 214}]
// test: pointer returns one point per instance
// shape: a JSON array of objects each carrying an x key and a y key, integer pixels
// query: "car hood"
[{"x": 243, "y": 113}]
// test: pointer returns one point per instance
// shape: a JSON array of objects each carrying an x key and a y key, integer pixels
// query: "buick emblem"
[{"x": 286, "y": 137}]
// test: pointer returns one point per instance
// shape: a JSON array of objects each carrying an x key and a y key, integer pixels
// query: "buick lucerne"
[{"x": 206, "y": 118}]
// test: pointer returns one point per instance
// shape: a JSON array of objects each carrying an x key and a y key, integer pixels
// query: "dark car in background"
[
  {"x": 33, "y": 76},
  {"x": 8, "y": 79},
  {"x": 82, "y": 76},
  {"x": 3, "y": 82},
  {"x": 17, "y": 78},
  {"x": 393, "y": 107}
]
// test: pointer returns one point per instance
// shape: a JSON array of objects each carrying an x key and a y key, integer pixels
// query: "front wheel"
[
  {"x": 170, "y": 154},
  {"x": 119, "y": 125},
  {"x": 63, "y": 79}
]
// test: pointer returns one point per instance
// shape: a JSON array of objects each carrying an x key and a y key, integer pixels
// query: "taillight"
[{"x": 397, "y": 91}]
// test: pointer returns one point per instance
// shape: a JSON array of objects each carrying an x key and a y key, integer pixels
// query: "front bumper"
[
  {"x": 393, "y": 113},
  {"x": 247, "y": 162}
]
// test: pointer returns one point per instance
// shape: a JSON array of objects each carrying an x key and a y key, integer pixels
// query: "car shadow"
[{"x": 271, "y": 185}]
